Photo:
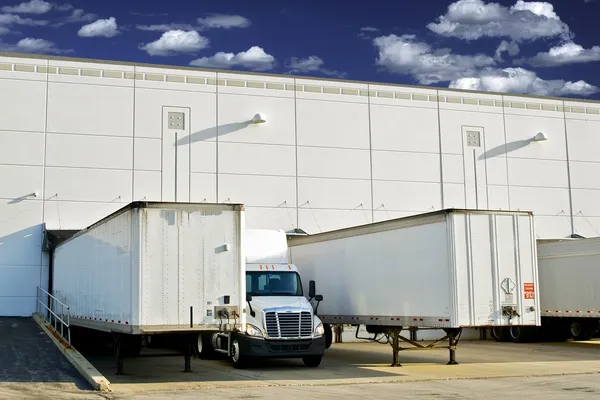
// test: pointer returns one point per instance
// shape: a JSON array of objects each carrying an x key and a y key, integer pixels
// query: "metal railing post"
[{"x": 53, "y": 314}]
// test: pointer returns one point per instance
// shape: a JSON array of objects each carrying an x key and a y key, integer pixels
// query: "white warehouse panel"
[
  {"x": 18, "y": 182},
  {"x": 583, "y": 140},
  {"x": 76, "y": 215},
  {"x": 25, "y": 108},
  {"x": 405, "y": 129},
  {"x": 332, "y": 124},
  {"x": 256, "y": 190},
  {"x": 22, "y": 148},
  {"x": 257, "y": 159},
  {"x": 147, "y": 186},
  {"x": 236, "y": 113},
  {"x": 329, "y": 155},
  {"x": 407, "y": 196},
  {"x": 203, "y": 188},
  {"x": 147, "y": 154},
  {"x": 89, "y": 151},
  {"x": 520, "y": 131},
  {"x": 541, "y": 173},
  {"x": 407, "y": 167},
  {"x": 87, "y": 184},
  {"x": 20, "y": 233},
  {"x": 90, "y": 109},
  {"x": 322, "y": 162},
  {"x": 340, "y": 194}
]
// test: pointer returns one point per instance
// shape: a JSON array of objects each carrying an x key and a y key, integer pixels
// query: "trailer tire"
[
  {"x": 204, "y": 347},
  {"x": 581, "y": 331},
  {"x": 312, "y": 361},
  {"x": 328, "y": 335},
  {"x": 520, "y": 334},
  {"x": 500, "y": 334}
]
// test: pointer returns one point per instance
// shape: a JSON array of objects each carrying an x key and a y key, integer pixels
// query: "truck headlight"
[
  {"x": 251, "y": 330},
  {"x": 319, "y": 330}
]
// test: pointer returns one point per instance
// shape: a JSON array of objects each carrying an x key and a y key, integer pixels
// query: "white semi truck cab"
[{"x": 280, "y": 319}]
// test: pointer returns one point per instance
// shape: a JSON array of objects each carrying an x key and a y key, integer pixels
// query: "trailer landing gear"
[{"x": 394, "y": 337}]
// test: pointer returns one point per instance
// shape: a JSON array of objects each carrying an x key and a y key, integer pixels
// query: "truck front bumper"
[{"x": 254, "y": 347}]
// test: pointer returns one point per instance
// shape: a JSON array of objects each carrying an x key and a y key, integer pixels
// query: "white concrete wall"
[{"x": 92, "y": 137}]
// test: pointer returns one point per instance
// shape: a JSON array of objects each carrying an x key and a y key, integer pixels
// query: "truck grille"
[{"x": 289, "y": 324}]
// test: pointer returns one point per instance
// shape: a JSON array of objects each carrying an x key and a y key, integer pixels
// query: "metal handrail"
[{"x": 57, "y": 312}]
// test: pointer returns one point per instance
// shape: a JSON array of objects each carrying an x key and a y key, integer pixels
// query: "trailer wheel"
[
  {"x": 500, "y": 334},
  {"x": 328, "y": 335},
  {"x": 580, "y": 331},
  {"x": 520, "y": 334},
  {"x": 204, "y": 346}
]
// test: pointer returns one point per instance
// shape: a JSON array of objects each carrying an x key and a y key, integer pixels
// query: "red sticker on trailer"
[{"x": 529, "y": 291}]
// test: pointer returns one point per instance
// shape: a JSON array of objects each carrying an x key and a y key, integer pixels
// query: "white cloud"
[
  {"x": 11, "y": 19},
  {"x": 405, "y": 55},
  {"x": 564, "y": 54},
  {"x": 511, "y": 48},
  {"x": 224, "y": 21},
  {"x": 30, "y": 7},
  {"x": 369, "y": 29},
  {"x": 311, "y": 64},
  {"x": 522, "y": 81},
  {"x": 175, "y": 42},
  {"x": 79, "y": 15},
  {"x": 255, "y": 58},
  {"x": 165, "y": 27},
  {"x": 31, "y": 45},
  {"x": 474, "y": 19},
  {"x": 100, "y": 28},
  {"x": 4, "y": 30}
]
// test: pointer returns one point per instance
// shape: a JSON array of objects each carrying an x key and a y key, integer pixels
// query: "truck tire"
[
  {"x": 312, "y": 361},
  {"x": 239, "y": 360},
  {"x": 500, "y": 333},
  {"x": 328, "y": 335},
  {"x": 580, "y": 330},
  {"x": 521, "y": 334}
]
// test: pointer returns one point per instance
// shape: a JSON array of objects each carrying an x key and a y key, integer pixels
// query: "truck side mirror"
[
  {"x": 319, "y": 297},
  {"x": 312, "y": 289}
]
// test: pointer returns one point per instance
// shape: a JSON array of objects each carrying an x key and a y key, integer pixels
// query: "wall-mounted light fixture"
[
  {"x": 540, "y": 137},
  {"x": 258, "y": 119}
]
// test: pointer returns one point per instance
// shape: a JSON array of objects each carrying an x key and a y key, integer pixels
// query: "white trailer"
[
  {"x": 449, "y": 269},
  {"x": 155, "y": 268},
  {"x": 569, "y": 272}
]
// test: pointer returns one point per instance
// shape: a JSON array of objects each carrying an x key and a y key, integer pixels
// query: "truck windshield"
[{"x": 267, "y": 283}]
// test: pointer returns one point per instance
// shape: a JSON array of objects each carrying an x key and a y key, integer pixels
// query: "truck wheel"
[
  {"x": 580, "y": 331},
  {"x": 500, "y": 333},
  {"x": 328, "y": 335},
  {"x": 520, "y": 334},
  {"x": 312, "y": 361},
  {"x": 238, "y": 359}
]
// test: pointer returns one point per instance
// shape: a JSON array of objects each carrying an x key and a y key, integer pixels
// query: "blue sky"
[{"x": 543, "y": 48}]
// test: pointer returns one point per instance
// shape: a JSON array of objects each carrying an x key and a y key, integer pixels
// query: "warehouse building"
[{"x": 81, "y": 138}]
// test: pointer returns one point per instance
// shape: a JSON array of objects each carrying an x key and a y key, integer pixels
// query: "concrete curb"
[{"x": 83, "y": 366}]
